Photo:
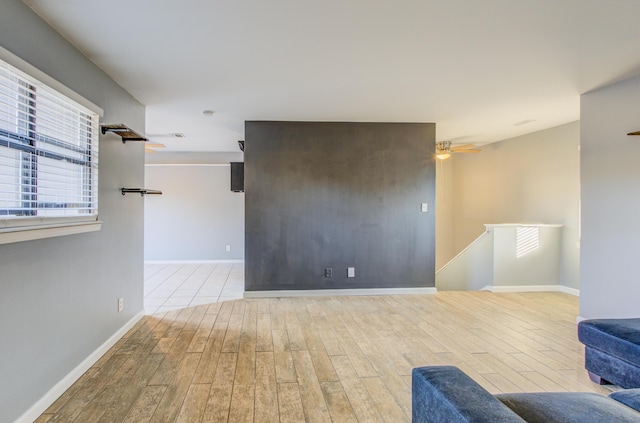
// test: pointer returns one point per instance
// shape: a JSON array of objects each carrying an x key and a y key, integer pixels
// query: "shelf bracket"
[
  {"x": 124, "y": 131},
  {"x": 140, "y": 191}
]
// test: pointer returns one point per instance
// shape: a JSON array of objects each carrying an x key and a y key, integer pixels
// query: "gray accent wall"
[
  {"x": 58, "y": 296},
  {"x": 336, "y": 195},
  {"x": 610, "y": 193}
]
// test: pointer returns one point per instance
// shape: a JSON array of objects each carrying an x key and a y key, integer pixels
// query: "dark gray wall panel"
[{"x": 337, "y": 195}]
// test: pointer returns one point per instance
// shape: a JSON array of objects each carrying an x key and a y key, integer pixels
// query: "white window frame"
[{"x": 30, "y": 228}]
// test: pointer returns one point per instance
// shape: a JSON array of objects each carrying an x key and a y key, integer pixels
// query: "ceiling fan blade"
[
  {"x": 466, "y": 151},
  {"x": 148, "y": 150},
  {"x": 463, "y": 147},
  {"x": 154, "y": 145}
]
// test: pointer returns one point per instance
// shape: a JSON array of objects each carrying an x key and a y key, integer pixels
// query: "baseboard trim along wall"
[
  {"x": 533, "y": 288},
  {"x": 59, "y": 388},
  {"x": 191, "y": 261},
  {"x": 337, "y": 292}
]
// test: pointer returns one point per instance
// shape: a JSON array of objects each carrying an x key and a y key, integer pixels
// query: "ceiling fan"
[
  {"x": 151, "y": 147},
  {"x": 444, "y": 149}
]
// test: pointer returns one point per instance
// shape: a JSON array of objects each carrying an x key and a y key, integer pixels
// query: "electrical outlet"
[
  {"x": 120, "y": 304},
  {"x": 351, "y": 272},
  {"x": 328, "y": 272},
  {"x": 228, "y": 248}
]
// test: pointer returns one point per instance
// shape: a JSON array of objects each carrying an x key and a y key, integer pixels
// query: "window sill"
[{"x": 30, "y": 233}]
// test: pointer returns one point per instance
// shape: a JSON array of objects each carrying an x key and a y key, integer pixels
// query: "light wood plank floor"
[{"x": 321, "y": 359}]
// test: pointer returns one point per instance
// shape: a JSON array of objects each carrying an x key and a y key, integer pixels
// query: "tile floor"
[{"x": 174, "y": 286}]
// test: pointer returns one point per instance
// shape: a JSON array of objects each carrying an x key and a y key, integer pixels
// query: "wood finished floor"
[{"x": 322, "y": 359}]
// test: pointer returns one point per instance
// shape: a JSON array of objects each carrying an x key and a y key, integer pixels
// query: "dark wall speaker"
[{"x": 237, "y": 176}]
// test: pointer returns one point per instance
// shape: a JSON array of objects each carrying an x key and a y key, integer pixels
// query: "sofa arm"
[{"x": 446, "y": 394}]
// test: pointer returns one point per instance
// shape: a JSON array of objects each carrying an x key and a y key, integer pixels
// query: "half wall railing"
[{"x": 506, "y": 258}]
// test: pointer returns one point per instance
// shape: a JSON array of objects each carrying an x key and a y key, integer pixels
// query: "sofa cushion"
[
  {"x": 629, "y": 397},
  {"x": 618, "y": 337},
  {"x": 568, "y": 407}
]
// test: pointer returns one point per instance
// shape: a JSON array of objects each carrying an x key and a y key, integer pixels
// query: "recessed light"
[
  {"x": 208, "y": 112},
  {"x": 178, "y": 135}
]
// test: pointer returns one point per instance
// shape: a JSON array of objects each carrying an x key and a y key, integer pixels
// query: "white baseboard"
[
  {"x": 532, "y": 288},
  {"x": 570, "y": 291},
  {"x": 191, "y": 261},
  {"x": 65, "y": 383},
  {"x": 337, "y": 292}
]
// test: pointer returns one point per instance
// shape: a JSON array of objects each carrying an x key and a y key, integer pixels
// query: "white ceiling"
[{"x": 475, "y": 68}]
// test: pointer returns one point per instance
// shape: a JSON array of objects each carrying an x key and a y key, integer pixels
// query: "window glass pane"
[
  {"x": 9, "y": 180},
  {"x": 63, "y": 187}
]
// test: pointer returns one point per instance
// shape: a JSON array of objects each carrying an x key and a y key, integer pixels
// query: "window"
[{"x": 48, "y": 154}]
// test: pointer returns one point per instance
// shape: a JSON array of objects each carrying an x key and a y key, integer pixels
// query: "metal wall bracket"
[
  {"x": 140, "y": 191},
  {"x": 124, "y": 131}
]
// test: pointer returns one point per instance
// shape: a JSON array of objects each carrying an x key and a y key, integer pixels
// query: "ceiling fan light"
[{"x": 443, "y": 155}]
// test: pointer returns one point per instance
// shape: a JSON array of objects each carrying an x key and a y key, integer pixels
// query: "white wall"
[
  {"x": 445, "y": 247},
  {"x": 184, "y": 157},
  {"x": 472, "y": 269},
  {"x": 196, "y": 217},
  {"x": 610, "y": 182},
  {"x": 537, "y": 268},
  {"x": 58, "y": 296},
  {"x": 533, "y": 178}
]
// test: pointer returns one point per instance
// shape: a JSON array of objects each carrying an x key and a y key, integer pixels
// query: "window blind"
[{"x": 48, "y": 153}]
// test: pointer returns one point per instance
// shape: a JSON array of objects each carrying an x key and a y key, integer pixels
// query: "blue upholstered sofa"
[
  {"x": 444, "y": 394},
  {"x": 612, "y": 350}
]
